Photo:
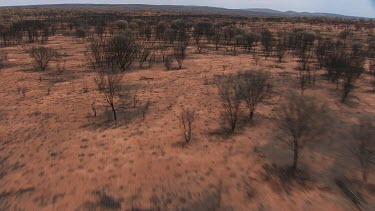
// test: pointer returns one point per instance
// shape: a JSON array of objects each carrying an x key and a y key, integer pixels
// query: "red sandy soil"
[{"x": 56, "y": 156}]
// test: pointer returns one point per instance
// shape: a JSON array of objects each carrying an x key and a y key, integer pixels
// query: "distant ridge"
[{"x": 251, "y": 11}]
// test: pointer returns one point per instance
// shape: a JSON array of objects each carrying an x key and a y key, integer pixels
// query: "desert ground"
[{"x": 55, "y": 154}]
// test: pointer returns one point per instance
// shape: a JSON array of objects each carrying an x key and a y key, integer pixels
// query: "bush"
[
  {"x": 254, "y": 87},
  {"x": 42, "y": 56},
  {"x": 364, "y": 147},
  {"x": 168, "y": 61},
  {"x": 231, "y": 97},
  {"x": 180, "y": 53},
  {"x": 109, "y": 84},
  {"x": 187, "y": 118}
]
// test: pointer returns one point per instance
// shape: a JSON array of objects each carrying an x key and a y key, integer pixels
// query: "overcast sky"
[{"x": 364, "y": 8}]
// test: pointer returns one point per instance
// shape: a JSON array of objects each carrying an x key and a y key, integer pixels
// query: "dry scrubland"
[{"x": 61, "y": 148}]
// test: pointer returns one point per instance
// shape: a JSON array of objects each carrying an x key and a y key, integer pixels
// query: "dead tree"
[
  {"x": 254, "y": 87},
  {"x": 302, "y": 118},
  {"x": 109, "y": 84},
  {"x": 187, "y": 118},
  {"x": 364, "y": 149},
  {"x": 230, "y": 97}
]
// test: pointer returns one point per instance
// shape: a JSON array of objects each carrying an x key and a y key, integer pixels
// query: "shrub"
[
  {"x": 42, "y": 56},
  {"x": 187, "y": 118},
  {"x": 180, "y": 53},
  {"x": 254, "y": 87},
  {"x": 230, "y": 97},
  {"x": 168, "y": 61}
]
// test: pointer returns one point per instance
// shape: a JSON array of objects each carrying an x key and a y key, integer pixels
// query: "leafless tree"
[
  {"x": 302, "y": 118},
  {"x": 42, "y": 56},
  {"x": 187, "y": 118},
  {"x": 180, "y": 53},
  {"x": 110, "y": 85},
  {"x": 254, "y": 87},
  {"x": 230, "y": 96},
  {"x": 364, "y": 149}
]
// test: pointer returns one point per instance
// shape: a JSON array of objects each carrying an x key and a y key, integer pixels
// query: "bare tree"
[
  {"x": 110, "y": 84},
  {"x": 42, "y": 56},
  {"x": 230, "y": 96},
  {"x": 187, "y": 118},
  {"x": 364, "y": 149},
  {"x": 122, "y": 51},
  {"x": 180, "y": 53},
  {"x": 303, "y": 118},
  {"x": 254, "y": 87}
]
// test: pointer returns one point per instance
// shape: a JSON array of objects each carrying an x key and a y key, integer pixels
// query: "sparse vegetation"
[{"x": 103, "y": 63}]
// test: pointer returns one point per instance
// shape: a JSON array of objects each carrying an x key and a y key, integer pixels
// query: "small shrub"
[
  {"x": 187, "y": 118},
  {"x": 42, "y": 56}
]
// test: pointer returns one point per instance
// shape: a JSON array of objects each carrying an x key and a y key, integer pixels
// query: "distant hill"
[{"x": 252, "y": 12}]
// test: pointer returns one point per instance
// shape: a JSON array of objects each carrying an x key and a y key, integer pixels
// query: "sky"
[{"x": 363, "y": 8}]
